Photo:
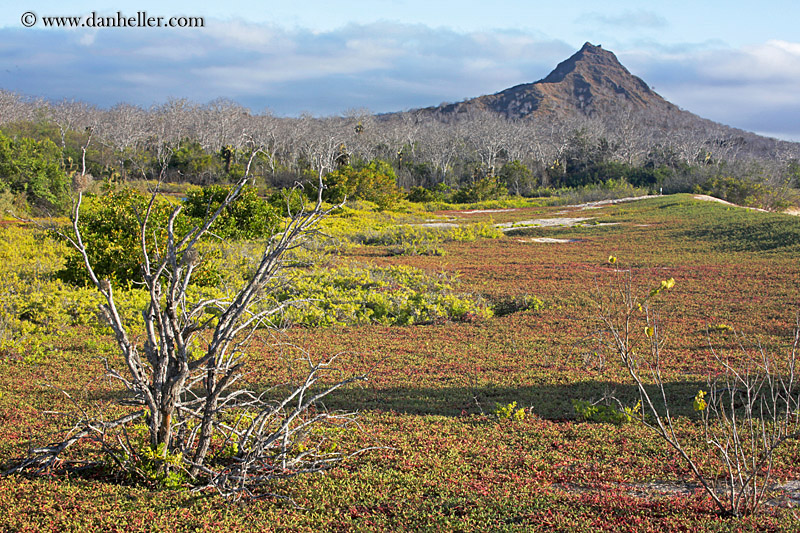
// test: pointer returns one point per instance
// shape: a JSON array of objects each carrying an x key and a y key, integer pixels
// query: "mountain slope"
[{"x": 591, "y": 82}]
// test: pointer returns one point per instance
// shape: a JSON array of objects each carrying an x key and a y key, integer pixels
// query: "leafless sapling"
[{"x": 749, "y": 411}]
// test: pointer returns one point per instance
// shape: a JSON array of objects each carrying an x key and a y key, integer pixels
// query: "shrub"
[
  {"x": 517, "y": 176},
  {"x": 193, "y": 162},
  {"x": 749, "y": 192},
  {"x": 609, "y": 190},
  {"x": 516, "y": 303},
  {"x": 748, "y": 412},
  {"x": 488, "y": 188},
  {"x": 397, "y": 295},
  {"x": 33, "y": 168},
  {"x": 438, "y": 193},
  {"x": 286, "y": 201},
  {"x": 374, "y": 182},
  {"x": 110, "y": 225},
  {"x": 419, "y": 235},
  {"x": 249, "y": 217},
  {"x": 599, "y": 412},
  {"x": 509, "y": 412},
  {"x": 189, "y": 386}
]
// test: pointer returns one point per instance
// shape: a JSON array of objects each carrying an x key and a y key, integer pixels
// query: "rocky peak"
[
  {"x": 588, "y": 57},
  {"x": 594, "y": 72},
  {"x": 591, "y": 81}
]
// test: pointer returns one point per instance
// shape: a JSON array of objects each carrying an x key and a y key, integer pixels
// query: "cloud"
[
  {"x": 753, "y": 88},
  {"x": 773, "y": 61},
  {"x": 383, "y": 66},
  {"x": 627, "y": 20}
]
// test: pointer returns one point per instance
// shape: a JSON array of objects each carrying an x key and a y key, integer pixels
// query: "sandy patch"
[
  {"x": 779, "y": 495},
  {"x": 437, "y": 225},
  {"x": 565, "y": 222},
  {"x": 600, "y": 203},
  {"x": 477, "y": 211},
  {"x": 707, "y": 198},
  {"x": 548, "y": 240}
]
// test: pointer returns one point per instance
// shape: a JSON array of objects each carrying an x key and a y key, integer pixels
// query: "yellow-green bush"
[
  {"x": 35, "y": 304},
  {"x": 374, "y": 181},
  {"x": 397, "y": 295}
]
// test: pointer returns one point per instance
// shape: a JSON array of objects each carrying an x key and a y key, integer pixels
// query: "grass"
[{"x": 447, "y": 462}]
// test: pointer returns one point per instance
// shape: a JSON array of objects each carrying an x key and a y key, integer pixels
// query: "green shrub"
[
  {"x": 598, "y": 412},
  {"x": 488, "y": 188},
  {"x": 749, "y": 192},
  {"x": 287, "y": 201},
  {"x": 438, "y": 193},
  {"x": 509, "y": 412},
  {"x": 109, "y": 226},
  {"x": 249, "y": 217},
  {"x": 33, "y": 168},
  {"x": 192, "y": 161},
  {"x": 418, "y": 234},
  {"x": 517, "y": 176},
  {"x": 374, "y": 182},
  {"x": 515, "y": 304},
  {"x": 158, "y": 468},
  {"x": 608, "y": 190}
]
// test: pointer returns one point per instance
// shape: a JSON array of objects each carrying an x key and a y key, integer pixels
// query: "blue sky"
[{"x": 734, "y": 62}]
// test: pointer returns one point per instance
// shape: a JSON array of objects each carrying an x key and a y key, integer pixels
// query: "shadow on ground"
[{"x": 545, "y": 401}]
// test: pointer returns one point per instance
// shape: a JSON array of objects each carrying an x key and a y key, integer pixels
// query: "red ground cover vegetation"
[{"x": 446, "y": 462}]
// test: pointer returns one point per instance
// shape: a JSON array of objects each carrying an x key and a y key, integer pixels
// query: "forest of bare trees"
[{"x": 209, "y": 143}]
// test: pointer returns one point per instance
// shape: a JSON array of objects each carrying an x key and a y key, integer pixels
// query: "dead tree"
[
  {"x": 187, "y": 371},
  {"x": 748, "y": 410}
]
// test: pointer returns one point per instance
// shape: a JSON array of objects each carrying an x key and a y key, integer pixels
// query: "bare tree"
[
  {"x": 185, "y": 370},
  {"x": 440, "y": 144},
  {"x": 16, "y": 108},
  {"x": 748, "y": 412},
  {"x": 72, "y": 116},
  {"x": 488, "y": 136},
  {"x": 219, "y": 123},
  {"x": 124, "y": 130},
  {"x": 319, "y": 141}
]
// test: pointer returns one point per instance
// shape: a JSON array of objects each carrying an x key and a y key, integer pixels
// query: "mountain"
[
  {"x": 591, "y": 82},
  {"x": 593, "y": 85}
]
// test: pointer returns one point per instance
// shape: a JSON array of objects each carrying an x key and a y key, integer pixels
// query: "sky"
[{"x": 734, "y": 62}]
